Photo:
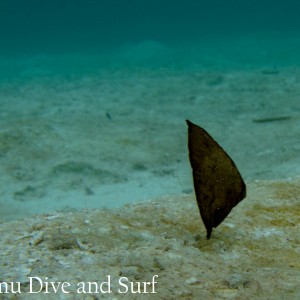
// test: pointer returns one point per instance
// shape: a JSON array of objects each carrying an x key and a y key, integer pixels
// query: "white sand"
[
  {"x": 253, "y": 254},
  {"x": 119, "y": 136}
]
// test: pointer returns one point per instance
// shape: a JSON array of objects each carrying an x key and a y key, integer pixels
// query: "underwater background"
[
  {"x": 94, "y": 95},
  {"x": 95, "y": 179},
  {"x": 237, "y": 33}
]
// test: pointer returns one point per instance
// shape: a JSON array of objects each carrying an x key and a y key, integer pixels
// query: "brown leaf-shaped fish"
[{"x": 218, "y": 183}]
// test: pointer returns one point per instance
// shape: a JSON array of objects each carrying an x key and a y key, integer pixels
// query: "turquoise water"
[
  {"x": 56, "y": 26},
  {"x": 78, "y": 36}
]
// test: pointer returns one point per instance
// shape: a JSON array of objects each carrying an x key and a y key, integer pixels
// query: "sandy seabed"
[
  {"x": 73, "y": 151},
  {"x": 120, "y": 136},
  {"x": 254, "y": 254}
]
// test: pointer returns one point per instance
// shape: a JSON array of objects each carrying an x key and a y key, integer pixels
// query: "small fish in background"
[
  {"x": 271, "y": 119},
  {"x": 108, "y": 116},
  {"x": 217, "y": 182}
]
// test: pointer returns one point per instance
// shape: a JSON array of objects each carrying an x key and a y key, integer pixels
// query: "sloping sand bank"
[{"x": 254, "y": 254}]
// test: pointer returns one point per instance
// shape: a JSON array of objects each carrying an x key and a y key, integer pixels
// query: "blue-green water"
[
  {"x": 88, "y": 34},
  {"x": 51, "y": 26}
]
